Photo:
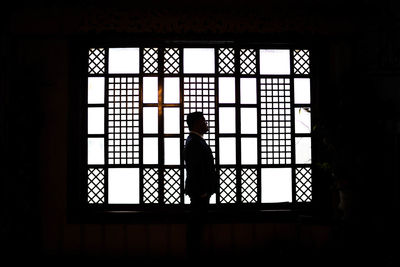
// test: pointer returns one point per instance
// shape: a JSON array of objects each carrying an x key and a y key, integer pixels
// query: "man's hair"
[{"x": 191, "y": 118}]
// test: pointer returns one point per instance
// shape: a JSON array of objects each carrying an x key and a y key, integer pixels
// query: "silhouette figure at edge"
[{"x": 201, "y": 183}]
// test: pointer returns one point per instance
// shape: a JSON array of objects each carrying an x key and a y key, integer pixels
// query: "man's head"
[{"x": 196, "y": 122}]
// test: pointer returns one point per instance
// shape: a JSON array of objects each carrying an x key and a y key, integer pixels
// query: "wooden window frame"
[{"x": 78, "y": 207}]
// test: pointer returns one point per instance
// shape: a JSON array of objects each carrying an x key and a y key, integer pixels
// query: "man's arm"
[{"x": 196, "y": 169}]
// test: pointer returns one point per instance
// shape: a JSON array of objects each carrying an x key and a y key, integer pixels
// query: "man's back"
[{"x": 200, "y": 167}]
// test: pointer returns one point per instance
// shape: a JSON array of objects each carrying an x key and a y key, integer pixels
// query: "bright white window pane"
[
  {"x": 303, "y": 150},
  {"x": 123, "y": 185},
  {"x": 302, "y": 120},
  {"x": 213, "y": 199},
  {"x": 96, "y": 120},
  {"x": 172, "y": 151},
  {"x": 150, "y": 120},
  {"x": 150, "y": 90},
  {"x": 274, "y": 61},
  {"x": 171, "y": 90},
  {"x": 249, "y": 150},
  {"x": 171, "y": 120},
  {"x": 96, "y": 90},
  {"x": 227, "y": 150},
  {"x": 123, "y": 60},
  {"x": 95, "y": 150},
  {"x": 150, "y": 150},
  {"x": 276, "y": 185},
  {"x": 186, "y": 199},
  {"x": 227, "y": 122},
  {"x": 302, "y": 91},
  {"x": 226, "y": 93},
  {"x": 248, "y": 91},
  {"x": 248, "y": 120},
  {"x": 198, "y": 60}
]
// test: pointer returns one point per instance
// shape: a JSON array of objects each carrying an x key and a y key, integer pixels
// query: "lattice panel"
[
  {"x": 150, "y": 185},
  {"x": 248, "y": 61},
  {"x": 97, "y": 60},
  {"x": 172, "y": 186},
  {"x": 95, "y": 185},
  {"x": 249, "y": 185},
  {"x": 123, "y": 120},
  {"x": 199, "y": 95},
  {"x": 226, "y": 60},
  {"x": 301, "y": 61},
  {"x": 303, "y": 185},
  {"x": 275, "y": 121},
  {"x": 227, "y": 185},
  {"x": 150, "y": 60},
  {"x": 171, "y": 60}
]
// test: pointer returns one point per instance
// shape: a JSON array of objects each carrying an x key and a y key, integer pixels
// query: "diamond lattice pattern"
[
  {"x": 95, "y": 185},
  {"x": 248, "y": 61},
  {"x": 301, "y": 61},
  {"x": 226, "y": 61},
  {"x": 150, "y": 185},
  {"x": 172, "y": 186},
  {"x": 303, "y": 185},
  {"x": 227, "y": 186},
  {"x": 97, "y": 60},
  {"x": 150, "y": 60},
  {"x": 249, "y": 185},
  {"x": 171, "y": 60}
]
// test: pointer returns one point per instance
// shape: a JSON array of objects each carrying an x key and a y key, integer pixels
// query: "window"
[{"x": 257, "y": 101}]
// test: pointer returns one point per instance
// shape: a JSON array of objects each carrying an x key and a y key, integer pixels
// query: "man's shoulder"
[{"x": 194, "y": 140}]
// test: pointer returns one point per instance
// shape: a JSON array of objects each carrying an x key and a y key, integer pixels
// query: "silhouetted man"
[{"x": 201, "y": 179}]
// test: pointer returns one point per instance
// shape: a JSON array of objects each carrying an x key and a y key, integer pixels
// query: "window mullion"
[
  {"x": 141, "y": 168},
  {"x": 161, "y": 128},
  {"x": 292, "y": 125},
  {"x": 238, "y": 125},
  {"x": 216, "y": 95},
  {"x": 258, "y": 172},
  {"x": 182, "y": 134},
  {"x": 106, "y": 127}
]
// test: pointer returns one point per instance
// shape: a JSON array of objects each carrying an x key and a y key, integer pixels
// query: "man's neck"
[{"x": 196, "y": 133}]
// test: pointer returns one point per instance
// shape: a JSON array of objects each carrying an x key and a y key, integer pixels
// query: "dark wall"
[{"x": 356, "y": 127}]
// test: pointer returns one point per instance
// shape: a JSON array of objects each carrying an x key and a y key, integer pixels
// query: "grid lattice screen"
[
  {"x": 276, "y": 121},
  {"x": 199, "y": 95},
  {"x": 123, "y": 120}
]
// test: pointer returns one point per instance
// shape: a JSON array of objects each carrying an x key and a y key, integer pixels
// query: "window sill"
[{"x": 283, "y": 215}]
